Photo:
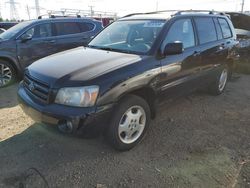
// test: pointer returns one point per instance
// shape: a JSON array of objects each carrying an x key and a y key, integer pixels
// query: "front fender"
[{"x": 148, "y": 79}]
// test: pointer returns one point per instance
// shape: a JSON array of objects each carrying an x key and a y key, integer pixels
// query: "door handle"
[
  {"x": 50, "y": 41},
  {"x": 221, "y": 47},
  {"x": 85, "y": 38},
  {"x": 196, "y": 53}
]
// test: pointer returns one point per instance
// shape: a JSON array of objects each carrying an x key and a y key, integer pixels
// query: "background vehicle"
[
  {"x": 29, "y": 41},
  {"x": 7, "y": 25},
  {"x": 131, "y": 66}
]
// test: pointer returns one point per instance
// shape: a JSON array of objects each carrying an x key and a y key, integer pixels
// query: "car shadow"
[
  {"x": 41, "y": 147},
  {"x": 8, "y": 96}
]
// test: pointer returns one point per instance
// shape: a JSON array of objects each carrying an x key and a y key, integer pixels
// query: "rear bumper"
[{"x": 56, "y": 114}]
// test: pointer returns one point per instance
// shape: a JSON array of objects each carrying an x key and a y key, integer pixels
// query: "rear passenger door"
[
  {"x": 212, "y": 46},
  {"x": 72, "y": 34}
]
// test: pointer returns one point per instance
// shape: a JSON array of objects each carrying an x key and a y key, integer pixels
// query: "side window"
[
  {"x": 181, "y": 30},
  {"x": 85, "y": 27},
  {"x": 225, "y": 28},
  {"x": 206, "y": 30},
  {"x": 40, "y": 31},
  {"x": 218, "y": 29},
  {"x": 67, "y": 28}
]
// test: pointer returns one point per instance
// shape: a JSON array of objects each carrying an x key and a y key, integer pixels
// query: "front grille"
[{"x": 36, "y": 88}]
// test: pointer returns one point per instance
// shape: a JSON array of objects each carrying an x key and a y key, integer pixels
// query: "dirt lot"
[{"x": 197, "y": 141}]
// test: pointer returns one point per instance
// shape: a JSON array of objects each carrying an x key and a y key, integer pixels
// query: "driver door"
[
  {"x": 180, "y": 72},
  {"x": 42, "y": 44}
]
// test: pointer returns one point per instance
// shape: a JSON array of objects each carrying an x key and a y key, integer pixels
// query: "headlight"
[{"x": 78, "y": 96}]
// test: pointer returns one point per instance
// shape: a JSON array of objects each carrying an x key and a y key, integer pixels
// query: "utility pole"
[
  {"x": 91, "y": 10},
  {"x": 13, "y": 10},
  {"x": 0, "y": 10},
  {"x": 157, "y": 3},
  {"x": 242, "y": 6},
  {"x": 28, "y": 11},
  {"x": 37, "y": 7}
]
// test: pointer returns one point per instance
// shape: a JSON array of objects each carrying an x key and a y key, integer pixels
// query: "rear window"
[
  {"x": 226, "y": 31},
  {"x": 85, "y": 27},
  {"x": 67, "y": 28},
  {"x": 206, "y": 30}
]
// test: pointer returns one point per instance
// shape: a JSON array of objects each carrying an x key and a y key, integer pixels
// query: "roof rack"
[
  {"x": 154, "y": 12},
  {"x": 78, "y": 13},
  {"x": 58, "y": 14},
  {"x": 180, "y": 12},
  {"x": 199, "y": 11}
]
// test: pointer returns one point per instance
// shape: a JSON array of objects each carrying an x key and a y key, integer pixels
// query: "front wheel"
[
  {"x": 221, "y": 81},
  {"x": 129, "y": 123},
  {"x": 7, "y": 74}
]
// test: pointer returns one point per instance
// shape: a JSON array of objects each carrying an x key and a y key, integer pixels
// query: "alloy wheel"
[
  {"x": 5, "y": 75},
  {"x": 223, "y": 79},
  {"x": 132, "y": 124}
]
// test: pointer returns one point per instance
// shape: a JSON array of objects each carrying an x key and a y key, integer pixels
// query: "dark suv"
[
  {"x": 29, "y": 41},
  {"x": 117, "y": 82}
]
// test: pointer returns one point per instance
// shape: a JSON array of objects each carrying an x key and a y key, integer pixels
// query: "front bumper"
[{"x": 56, "y": 114}]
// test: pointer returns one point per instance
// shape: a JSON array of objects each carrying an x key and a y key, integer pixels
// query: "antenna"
[{"x": 13, "y": 10}]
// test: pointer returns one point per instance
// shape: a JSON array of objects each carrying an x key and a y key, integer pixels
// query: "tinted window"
[
  {"x": 225, "y": 28},
  {"x": 218, "y": 29},
  {"x": 181, "y": 30},
  {"x": 85, "y": 27},
  {"x": 206, "y": 30},
  {"x": 40, "y": 31},
  {"x": 67, "y": 28}
]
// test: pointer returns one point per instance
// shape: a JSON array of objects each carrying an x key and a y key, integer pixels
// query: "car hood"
[{"x": 79, "y": 64}]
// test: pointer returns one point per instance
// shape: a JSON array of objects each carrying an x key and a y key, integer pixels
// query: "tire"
[
  {"x": 128, "y": 127},
  {"x": 220, "y": 83},
  {"x": 8, "y": 74}
]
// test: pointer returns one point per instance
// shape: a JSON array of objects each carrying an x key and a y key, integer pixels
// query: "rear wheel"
[
  {"x": 221, "y": 81},
  {"x": 7, "y": 74},
  {"x": 129, "y": 124}
]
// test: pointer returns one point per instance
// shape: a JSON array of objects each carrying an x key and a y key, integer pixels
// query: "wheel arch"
[
  {"x": 148, "y": 94},
  {"x": 13, "y": 63}
]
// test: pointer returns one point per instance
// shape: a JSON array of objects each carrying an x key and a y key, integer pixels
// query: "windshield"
[
  {"x": 13, "y": 30},
  {"x": 133, "y": 36}
]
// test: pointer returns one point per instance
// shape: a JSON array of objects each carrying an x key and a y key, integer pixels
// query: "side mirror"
[
  {"x": 173, "y": 48},
  {"x": 25, "y": 37}
]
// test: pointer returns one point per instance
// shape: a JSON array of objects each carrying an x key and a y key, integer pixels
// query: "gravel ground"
[{"x": 195, "y": 141}]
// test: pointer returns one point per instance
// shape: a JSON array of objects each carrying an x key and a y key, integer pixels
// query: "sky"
[{"x": 121, "y": 7}]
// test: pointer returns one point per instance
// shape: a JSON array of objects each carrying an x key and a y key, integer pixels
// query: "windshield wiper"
[
  {"x": 100, "y": 47},
  {"x": 109, "y": 49}
]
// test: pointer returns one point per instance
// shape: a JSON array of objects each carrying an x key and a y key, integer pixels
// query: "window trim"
[
  {"x": 228, "y": 27},
  {"x": 196, "y": 28}
]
